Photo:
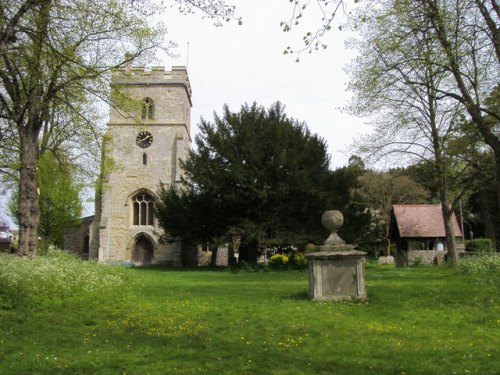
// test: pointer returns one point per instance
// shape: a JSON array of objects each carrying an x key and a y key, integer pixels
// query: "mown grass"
[{"x": 422, "y": 320}]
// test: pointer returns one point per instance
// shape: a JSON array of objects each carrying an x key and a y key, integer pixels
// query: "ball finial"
[{"x": 333, "y": 220}]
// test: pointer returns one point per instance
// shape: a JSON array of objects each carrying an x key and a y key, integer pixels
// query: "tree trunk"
[
  {"x": 214, "y": 248},
  {"x": 95, "y": 226},
  {"x": 231, "y": 260},
  {"x": 28, "y": 209},
  {"x": 387, "y": 238},
  {"x": 496, "y": 151},
  {"x": 248, "y": 251},
  {"x": 450, "y": 233},
  {"x": 29, "y": 126},
  {"x": 489, "y": 217}
]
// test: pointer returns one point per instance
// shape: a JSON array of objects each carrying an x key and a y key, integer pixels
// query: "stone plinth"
[
  {"x": 337, "y": 271},
  {"x": 337, "y": 275}
]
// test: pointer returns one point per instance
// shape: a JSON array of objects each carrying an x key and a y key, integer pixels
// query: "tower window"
[
  {"x": 148, "y": 109},
  {"x": 144, "y": 159},
  {"x": 143, "y": 207}
]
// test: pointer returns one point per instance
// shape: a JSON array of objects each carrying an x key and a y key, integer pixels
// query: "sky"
[{"x": 236, "y": 64}]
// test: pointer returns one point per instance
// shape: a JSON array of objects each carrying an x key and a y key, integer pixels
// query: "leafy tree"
[
  {"x": 478, "y": 207},
  {"x": 256, "y": 174},
  {"x": 357, "y": 217},
  {"x": 381, "y": 190},
  {"x": 56, "y": 55},
  {"x": 47, "y": 65},
  {"x": 399, "y": 77},
  {"x": 469, "y": 39},
  {"x": 60, "y": 204},
  {"x": 465, "y": 40},
  {"x": 344, "y": 181},
  {"x": 481, "y": 214}
]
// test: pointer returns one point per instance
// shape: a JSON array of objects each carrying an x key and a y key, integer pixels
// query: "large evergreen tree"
[
  {"x": 357, "y": 228},
  {"x": 256, "y": 174}
]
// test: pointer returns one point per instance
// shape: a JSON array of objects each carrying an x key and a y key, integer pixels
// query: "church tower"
[{"x": 148, "y": 133}]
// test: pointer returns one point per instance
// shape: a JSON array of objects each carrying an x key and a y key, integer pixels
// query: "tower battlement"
[{"x": 156, "y": 75}]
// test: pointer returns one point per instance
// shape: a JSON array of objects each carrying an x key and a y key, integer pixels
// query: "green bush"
[
  {"x": 297, "y": 260},
  {"x": 310, "y": 248},
  {"x": 479, "y": 245}
]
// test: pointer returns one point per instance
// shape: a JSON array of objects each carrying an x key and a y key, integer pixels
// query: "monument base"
[{"x": 337, "y": 275}]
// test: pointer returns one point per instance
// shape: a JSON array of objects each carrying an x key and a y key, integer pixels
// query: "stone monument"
[{"x": 336, "y": 271}]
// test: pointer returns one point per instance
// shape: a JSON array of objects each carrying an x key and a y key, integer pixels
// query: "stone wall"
[
  {"x": 429, "y": 257},
  {"x": 194, "y": 256},
  {"x": 425, "y": 257},
  {"x": 5, "y": 245},
  {"x": 76, "y": 239}
]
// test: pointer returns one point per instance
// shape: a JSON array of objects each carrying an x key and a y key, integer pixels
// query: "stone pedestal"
[
  {"x": 337, "y": 271},
  {"x": 337, "y": 275}
]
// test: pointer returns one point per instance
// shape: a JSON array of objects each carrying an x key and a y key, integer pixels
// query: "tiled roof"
[{"x": 425, "y": 220}]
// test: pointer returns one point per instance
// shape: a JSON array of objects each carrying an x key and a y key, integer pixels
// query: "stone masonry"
[{"x": 134, "y": 170}]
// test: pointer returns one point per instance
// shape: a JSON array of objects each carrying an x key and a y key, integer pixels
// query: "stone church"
[{"x": 148, "y": 133}]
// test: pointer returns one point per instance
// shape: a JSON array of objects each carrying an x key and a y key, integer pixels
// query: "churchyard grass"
[{"x": 420, "y": 320}]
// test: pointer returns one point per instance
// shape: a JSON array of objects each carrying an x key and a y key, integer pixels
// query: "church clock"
[{"x": 144, "y": 139}]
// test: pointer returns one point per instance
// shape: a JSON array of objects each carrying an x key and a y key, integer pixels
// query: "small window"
[
  {"x": 143, "y": 207},
  {"x": 148, "y": 109},
  {"x": 144, "y": 159}
]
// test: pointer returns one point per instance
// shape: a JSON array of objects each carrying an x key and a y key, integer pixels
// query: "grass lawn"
[{"x": 421, "y": 320}]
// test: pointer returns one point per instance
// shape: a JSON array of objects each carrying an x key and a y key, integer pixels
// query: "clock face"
[{"x": 144, "y": 139}]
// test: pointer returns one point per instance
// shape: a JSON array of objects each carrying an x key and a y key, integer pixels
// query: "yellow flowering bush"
[{"x": 278, "y": 260}]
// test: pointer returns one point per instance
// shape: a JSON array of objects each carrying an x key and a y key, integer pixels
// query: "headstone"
[{"x": 389, "y": 259}]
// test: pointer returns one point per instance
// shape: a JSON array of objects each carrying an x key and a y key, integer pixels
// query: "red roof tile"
[{"x": 425, "y": 220}]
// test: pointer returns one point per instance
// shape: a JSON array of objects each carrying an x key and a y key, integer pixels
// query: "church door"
[{"x": 143, "y": 251}]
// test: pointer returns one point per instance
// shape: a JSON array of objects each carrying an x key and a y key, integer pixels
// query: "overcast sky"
[{"x": 236, "y": 64}]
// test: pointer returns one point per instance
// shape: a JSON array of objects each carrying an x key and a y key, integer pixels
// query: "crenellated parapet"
[{"x": 156, "y": 75}]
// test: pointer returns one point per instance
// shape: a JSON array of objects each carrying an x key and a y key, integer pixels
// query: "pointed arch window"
[
  {"x": 143, "y": 209},
  {"x": 148, "y": 109}
]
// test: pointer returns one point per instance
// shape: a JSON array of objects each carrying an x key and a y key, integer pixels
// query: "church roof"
[{"x": 424, "y": 220}]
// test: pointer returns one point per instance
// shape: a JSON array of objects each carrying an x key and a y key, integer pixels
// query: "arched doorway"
[{"x": 143, "y": 251}]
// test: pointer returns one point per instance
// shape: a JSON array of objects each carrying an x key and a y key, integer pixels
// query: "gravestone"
[{"x": 336, "y": 271}]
